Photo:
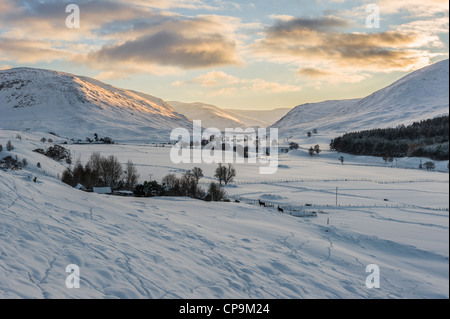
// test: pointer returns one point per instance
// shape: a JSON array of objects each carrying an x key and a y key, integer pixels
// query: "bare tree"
[
  {"x": 197, "y": 172},
  {"x": 93, "y": 169},
  {"x": 189, "y": 185},
  {"x": 131, "y": 176},
  {"x": 171, "y": 183},
  {"x": 220, "y": 173},
  {"x": 111, "y": 170},
  {"x": 225, "y": 174}
]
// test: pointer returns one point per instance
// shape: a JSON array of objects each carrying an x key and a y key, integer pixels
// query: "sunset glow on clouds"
[{"x": 261, "y": 54}]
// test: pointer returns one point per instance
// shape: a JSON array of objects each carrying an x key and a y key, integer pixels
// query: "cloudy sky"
[{"x": 259, "y": 54}]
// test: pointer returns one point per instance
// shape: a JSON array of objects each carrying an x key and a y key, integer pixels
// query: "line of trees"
[
  {"x": 427, "y": 138},
  {"x": 102, "y": 171},
  {"x": 188, "y": 185}
]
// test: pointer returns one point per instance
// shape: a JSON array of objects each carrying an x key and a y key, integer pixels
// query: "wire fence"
[
  {"x": 312, "y": 209},
  {"x": 315, "y": 180},
  {"x": 297, "y": 211}
]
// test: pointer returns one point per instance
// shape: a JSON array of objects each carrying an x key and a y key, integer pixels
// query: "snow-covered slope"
[
  {"x": 420, "y": 95},
  {"x": 309, "y": 116},
  {"x": 77, "y": 107},
  {"x": 184, "y": 248},
  {"x": 221, "y": 118}
]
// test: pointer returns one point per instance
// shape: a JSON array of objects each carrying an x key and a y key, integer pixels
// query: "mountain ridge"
[
  {"x": 421, "y": 94},
  {"x": 78, "y": 106},
  {"x": 215, "y": 116}
]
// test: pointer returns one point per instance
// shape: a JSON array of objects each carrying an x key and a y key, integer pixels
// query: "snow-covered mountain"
[
  {"x": 77, "y": 107},
  {"x": 210, "y": 115},
  {"x": 419, "y": 95},
  {"x": 221, "y": 118},
  {"x": 262, "y": 118}
]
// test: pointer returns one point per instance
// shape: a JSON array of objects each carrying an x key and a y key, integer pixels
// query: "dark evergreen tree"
[{"x": 9, "y": 146}]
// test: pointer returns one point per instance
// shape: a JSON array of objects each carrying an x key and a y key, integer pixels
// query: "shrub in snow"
[
  {"x": 215, "y": 193},
  {"x": 106, "y": 140},
  {"x": 317, "y": 149},
  {"x": 148, "y": 189},
  {"x": 56, "y": 152},
  {"x": 430, "y": 165},
  {"x": 9, "y": 146},
  {"x": 293, "y": 146},
  {"x": 10, "y": 162}
]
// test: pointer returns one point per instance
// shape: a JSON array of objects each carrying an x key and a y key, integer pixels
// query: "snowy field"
[{"x": 389, "y": 214}]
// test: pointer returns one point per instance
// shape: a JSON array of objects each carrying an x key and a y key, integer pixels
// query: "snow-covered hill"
[
  {"x": 177, "y": 247},
  {"x": 77, "y": 107},
  {"x": 221, "y": 118},
  {"x": 420, "y": 95}
]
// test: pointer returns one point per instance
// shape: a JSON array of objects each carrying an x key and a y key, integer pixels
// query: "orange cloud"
[
  {"x": 26, "y": 51},
  {"x": 319, "y": 44},
  {"x": 221, "y": 83}
]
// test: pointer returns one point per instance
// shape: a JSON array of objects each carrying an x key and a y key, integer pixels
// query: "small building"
[
  {"x": 123, "y": 193},
  {"x": 80, "y": 187},
  {"x": 102, "y": 190}
]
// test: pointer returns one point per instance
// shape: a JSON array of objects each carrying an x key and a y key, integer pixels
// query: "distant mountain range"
[
  {"x": 77, "y": 107},
  {"x": 221, "y": 118},
  {"x": 422, "y": 94}
]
